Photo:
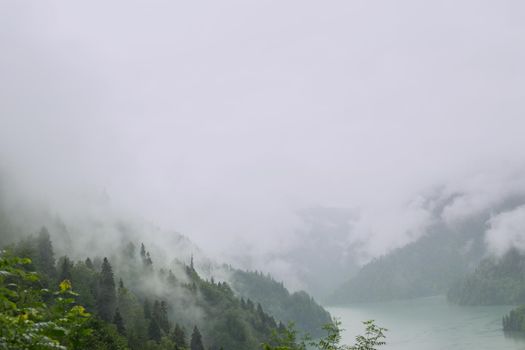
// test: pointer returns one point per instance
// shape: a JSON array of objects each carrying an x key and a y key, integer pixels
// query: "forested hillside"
[
  {"x": 495, "y": 281},
  {"x": 146, "y": 306},
  {"x": 425, "y": 267},
  {"x": 36, "y": 318},
  {"x": 443, "y": 255},
  {"x": 151, "y": 307},
  {"x": 297, "y": 307}
]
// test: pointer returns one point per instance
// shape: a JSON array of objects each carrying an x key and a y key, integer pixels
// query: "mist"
[{"x": 227, "y": 121}]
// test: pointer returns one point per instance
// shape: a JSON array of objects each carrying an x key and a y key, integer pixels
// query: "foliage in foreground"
[
  {"x": 27, "y": 322},
  {"x": 286, "y": 339}
]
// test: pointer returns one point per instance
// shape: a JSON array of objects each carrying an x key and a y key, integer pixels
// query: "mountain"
[
  {"x": 170, "y": 271},
  {"x": 443, "y": 255},
  {"x": 297, "y": 307},
  {"x": 151, "y": 301},
  {"x": 422, "y": 268},
  {"x": 494, "y": 281},
  {"x": 317, "y": 255}
]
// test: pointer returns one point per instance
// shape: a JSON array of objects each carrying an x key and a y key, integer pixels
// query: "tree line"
[{"x": 48, "y": 303}]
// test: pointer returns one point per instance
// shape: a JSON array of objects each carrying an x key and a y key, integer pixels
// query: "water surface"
[{"x": 431, "y": 324}]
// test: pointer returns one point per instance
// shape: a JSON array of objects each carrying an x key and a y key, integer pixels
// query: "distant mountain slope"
[
  {"x": 431, "y": 264},
  {"x": 425, "y": 267},
  {"x": 320, "y": 254},
  {"x": 298, "y": 307},
  {"x": 495, "y": 281}
]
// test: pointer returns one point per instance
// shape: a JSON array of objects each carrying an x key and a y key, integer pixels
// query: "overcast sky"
[{"x": 222, "y": 119}]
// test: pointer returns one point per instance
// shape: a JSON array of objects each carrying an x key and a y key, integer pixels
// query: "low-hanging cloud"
[
  {"x": 506, "y": 230},
  {"x": 223, "y": 121}
]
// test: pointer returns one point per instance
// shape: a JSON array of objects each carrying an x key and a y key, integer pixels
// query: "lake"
[{"x": 430, "y": 324}]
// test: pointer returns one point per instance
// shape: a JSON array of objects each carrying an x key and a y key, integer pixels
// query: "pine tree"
[
  {"x": 160, "y": 315},
  {"x": 148, "y": 262},
  {"x": 155, "y": 315},
  {"x": 179, "y": 337},
  {"x": 164, "y": 322},
  {"x": 196, "y": 340},
  {"x": 154, "y": 331},
  {"x": 119, "y": 322},
  {"x": 142, "y": 251},
  {"x": 89, "y": 263},
  {"x": 107, "y": 297},
  {"x": 147, "y": 309},
  {"x": 260, "y": 312},
  {"x": 65, "y": 268},
  {"x": 45, "y": 257}
]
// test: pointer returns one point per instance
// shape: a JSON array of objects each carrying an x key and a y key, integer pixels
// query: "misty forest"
[{"x": 262, "y": 175}]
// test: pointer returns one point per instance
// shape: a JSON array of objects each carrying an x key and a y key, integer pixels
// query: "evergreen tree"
[
  {"x": 119, "y": 322},
  {"x": 196, "y": 340},
  {"x": 179, "y": 337},
  {"x": 107, "y": 297},
  {"x": 160, "y": 315},
  {"x": 148, "y": 262},
  {"x": 164, "y": 322},
  {"x": 155, "y": 315},
  {"x": 154, "y": 331},
  {"x": 260, "y": 310},
  {"x": 65, "y": 267},
  {"x": 89, "y": 263},
  {"x": 147, "y": 309},
  {"x": 145, "y": 256},
  {"x": 45, "y": 257},
  {"x": 142, "y": 251}
]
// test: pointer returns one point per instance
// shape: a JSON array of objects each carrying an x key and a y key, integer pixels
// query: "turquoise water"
[{"x": 431, "y": 324}]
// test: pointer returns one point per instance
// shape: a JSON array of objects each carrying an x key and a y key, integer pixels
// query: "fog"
[{"x": 226, "y": 120}]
